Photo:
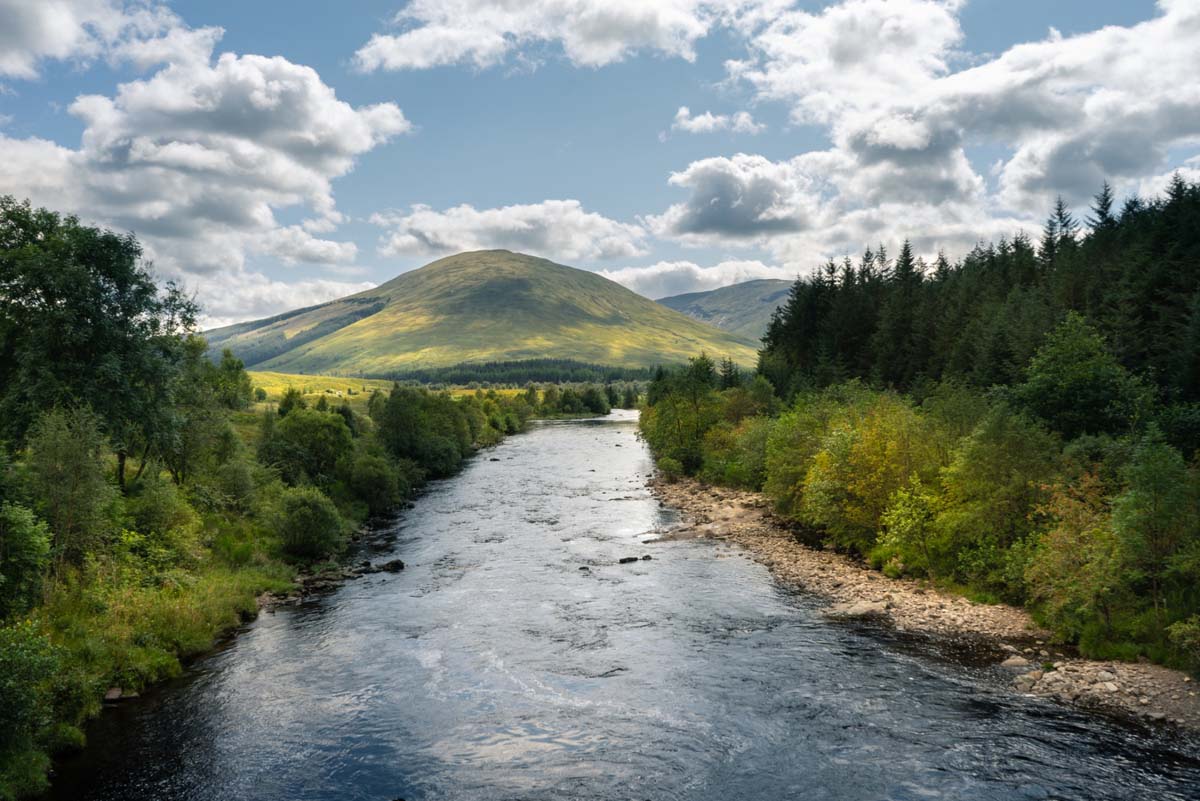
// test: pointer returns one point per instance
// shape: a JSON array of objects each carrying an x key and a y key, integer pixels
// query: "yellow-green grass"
[
  {"x": 479, "y": 307},
  {"x": 275, "y": 384}
]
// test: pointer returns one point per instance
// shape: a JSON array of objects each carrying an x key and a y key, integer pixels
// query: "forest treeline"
[
  {"x": 147, "y": 499},
  {"x": 518, "y": 373},
  {"x": 1022, "y": 425}
]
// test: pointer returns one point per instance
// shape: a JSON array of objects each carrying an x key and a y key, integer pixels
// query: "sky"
[{"x": 272, "y": 154}]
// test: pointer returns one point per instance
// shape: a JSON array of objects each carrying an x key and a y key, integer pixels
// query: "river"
[{"x": 494, "y": 667}]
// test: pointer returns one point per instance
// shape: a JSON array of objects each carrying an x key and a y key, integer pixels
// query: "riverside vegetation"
[
  {"x": 1020, "y": 426},
  {"x": 146, "y": 500}
]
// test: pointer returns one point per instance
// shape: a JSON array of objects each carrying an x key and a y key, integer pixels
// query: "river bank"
[{"x": 1150, "y": 693}]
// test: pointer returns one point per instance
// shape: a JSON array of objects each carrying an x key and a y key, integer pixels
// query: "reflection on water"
[{"x": 493, "y": 667}]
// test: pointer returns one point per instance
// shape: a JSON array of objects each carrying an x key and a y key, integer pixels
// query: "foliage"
[
  {"x": 309, "y": 526},
  {"x": 1077, "y": 386},
  {"x": 68, "y": 477},
  {"x": 82, "y": 322},
  {"x": 24, "y": 557},
  {"x": 377, "y": 482},
  {"x": 26, "y": 659},
  {"x": 1077, "y": 575},
  {"x": 1156, "y": 521},
  {"x": 310, "y": 444}
]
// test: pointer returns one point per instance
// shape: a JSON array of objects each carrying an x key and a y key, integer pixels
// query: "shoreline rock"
[{"x": 1151, "y": 694}]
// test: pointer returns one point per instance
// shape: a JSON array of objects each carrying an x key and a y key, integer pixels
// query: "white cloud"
[
  {"x": 884, "y": 79},
  {"x": 745, "y": 197},
  {"x": 851, "y": 56},
  {"x": 253, "y": 296},
  {"x": 197, "y": 158},
  {"x": 33, "y": 31},
  {"x": 666, "y": 278},
  {"x": 739, "y": 122},
  {"x": 591, "y": 33},
  {"x": 557, "y": 229}
]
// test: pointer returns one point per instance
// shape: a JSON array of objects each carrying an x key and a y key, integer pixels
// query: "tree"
[
  {"x": 1078, "y": 571},
  {"x": 1077, "y": 386},
  {"x": 377, "y": 483},
  {"x": 1155, "y": 518},
  {"x": 908, "y": 525},
  {"x": 232, "y": 382},
  {"x": 995, "y": 479},
  {"x": 730, "y": 376},
  {"x": 314, "y": 442},
  {"x": 27, "y": 658},
  {"x": 83, "y": 322},
  {"x": 309, "y": 524},
  {"x": 24, "y": 557},
  {"x": 69, "y": 481},
  {"x": 898, "y": 342},
  {"x": 292, "y": 399}
]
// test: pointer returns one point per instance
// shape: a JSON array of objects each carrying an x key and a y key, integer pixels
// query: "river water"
[{"x": 493, "y": 667}]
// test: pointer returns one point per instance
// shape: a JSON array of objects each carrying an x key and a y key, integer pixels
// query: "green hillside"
[
  {"x": 490, "y": 305},
  {"x": 741, "y": 309}
]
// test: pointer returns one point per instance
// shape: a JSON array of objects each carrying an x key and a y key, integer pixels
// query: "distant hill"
[
  {"x": 742, "y": 309},
  {"x": 484, "y": 306}
]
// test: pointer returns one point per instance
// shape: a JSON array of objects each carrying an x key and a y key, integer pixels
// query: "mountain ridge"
[
  {"x": 743, "y": 309},
  {"x": 490, "y": 305}
]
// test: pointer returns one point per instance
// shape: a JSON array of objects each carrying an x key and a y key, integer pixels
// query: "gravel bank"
[{"x": 1156, "y": 695}]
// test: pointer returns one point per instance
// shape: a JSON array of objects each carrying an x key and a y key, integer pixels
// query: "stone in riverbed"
[
  {"x": 1015, "y": 662},
  {"x": 624, "y": 560},
  {"x": 857, "y": 610},
  {"x": 394, "y": 566},
  {"x": 113, "y": 694}
]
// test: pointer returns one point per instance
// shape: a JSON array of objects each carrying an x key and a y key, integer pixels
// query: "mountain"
[
  {"x": 488, "y": 305},
  {"x": 742, "y": 309}
]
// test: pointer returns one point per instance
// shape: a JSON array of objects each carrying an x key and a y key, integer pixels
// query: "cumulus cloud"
[
  {"x": 902, "y": 108},
  {"x": 591, "y": 33},
  {"x": 197, "y": 158},
  {"x": 666, "y": 278},
  {"x": 745, "y": 197},
  {"x": 84, "y": 30},
  {"x": 553, "y": 228},
  {"x": 739, "y": 122},
  {"x": 253, "y": 296}
]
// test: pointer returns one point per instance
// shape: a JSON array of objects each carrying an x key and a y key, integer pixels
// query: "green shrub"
[
  {"x": 310, "y": 526},
  {"x": 157, "y": 507},
  {"x": 670, "y": 468},
  {"x": 26, "y": 660},
  {"x": 24, "y": 558},
  {"x": 69, "y": 481},
  {"x": 1185, "y": 635},
  {"x": 377, "y": 483}
]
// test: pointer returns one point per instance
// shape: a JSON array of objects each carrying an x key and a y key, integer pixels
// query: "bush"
[
  {"x": 310, "y": 526},
  {"x": 670, "y": 468},
  {"x": 26, "y": 660},
  {"x": 795, "y": 439},
  {"x": 24, "y": 557},
  {"x": 1185, "y": 635},
  {"x": 69, "y": 481},
  {"x": 994, "y": 482},
  {"x": 156, "y": 507},
  {"x": 869, "y": 453},
  {"x": 377, "y": 483},
  {"x": 312, "y": 443}
]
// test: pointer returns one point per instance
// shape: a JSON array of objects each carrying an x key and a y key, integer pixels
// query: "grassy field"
[
  {"x": 479, "y": 307},
  {"x": 315, "y": 385}
]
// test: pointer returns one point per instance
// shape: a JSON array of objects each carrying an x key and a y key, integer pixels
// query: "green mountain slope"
[
  {"x": 742, "y": 309},
  {"x": 490, "y": 305}
]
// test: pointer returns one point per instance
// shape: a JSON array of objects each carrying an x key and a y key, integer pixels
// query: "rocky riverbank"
[{"x": 1150, "y": 693}]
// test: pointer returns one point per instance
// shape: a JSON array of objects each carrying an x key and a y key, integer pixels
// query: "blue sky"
[{"x": 274, "y": 154}]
